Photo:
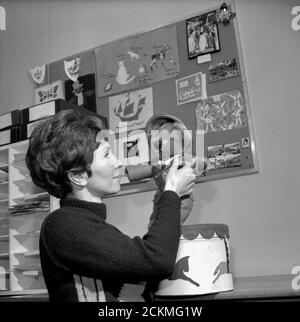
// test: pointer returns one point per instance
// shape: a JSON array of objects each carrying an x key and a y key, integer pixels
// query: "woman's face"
[{"x": 106, "y": 172}]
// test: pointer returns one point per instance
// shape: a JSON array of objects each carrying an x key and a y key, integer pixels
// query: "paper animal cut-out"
[
  {"x": 123, "y": 76},
  {"x": 181, "y": 266},
  {"x": 159, "y": 56},
  {"x": 221, "y": 269}
]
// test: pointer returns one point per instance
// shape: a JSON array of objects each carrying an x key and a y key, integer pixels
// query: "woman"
[
  {"x": 203, "y": 41},
  {"x": 84, "y": 258}
]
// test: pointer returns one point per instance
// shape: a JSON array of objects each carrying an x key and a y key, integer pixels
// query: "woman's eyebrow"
[{"x": 106, "y": 149}]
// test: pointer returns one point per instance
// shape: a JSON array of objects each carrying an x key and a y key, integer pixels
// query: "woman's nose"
[{"x": 118, "y": 163}]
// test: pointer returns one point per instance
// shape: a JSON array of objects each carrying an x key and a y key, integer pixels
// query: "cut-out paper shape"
[
  {"x": 180, "y": 270},
  {"x": 224, "y": 156},
  {"x": 108, "y": 87},
  {"x": 38, "y": 74},
  {"x": 82, "y": 92},
  {"x": 72, "y": 68},
  {"x": 72, "y": 71},
  {"x": 245, "y": 142},
  {"x": 136, "y": 61},
  {"x": 191, "y": 88},
  {"x": 225, "y": 14},
  {"x": 225, "y": 69},
  {"x": 49, "y": 92},
  {"x": 131, "y": 110},
  {"x": 221, "y": 269},
  {"x": 204, "y": 59},
  {"x": 221, "y": 112}
]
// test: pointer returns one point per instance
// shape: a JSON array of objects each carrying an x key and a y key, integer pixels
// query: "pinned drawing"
[
  {"x": 38, "y": 74},
  {"x": 49, "y": 92},
  {"x": 123, "y": 76},
  {"x": 137, "y": 60},
  {"x": 191, "y": 88},
  {"x": 72, "y": 68},
  {"x": 131, "y": 110},
  {"x": 221, "y": 112},
  {"x": 82, "y": 92},
  {"x": 245, "y": 142}
]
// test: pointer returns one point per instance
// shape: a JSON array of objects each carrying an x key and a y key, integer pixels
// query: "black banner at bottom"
[{"x": 200, "y": 311}]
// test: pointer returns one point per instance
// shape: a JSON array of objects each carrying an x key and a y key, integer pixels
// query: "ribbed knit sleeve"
[{"x": 89, "y": 247}]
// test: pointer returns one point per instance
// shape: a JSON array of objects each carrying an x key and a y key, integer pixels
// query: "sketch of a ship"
[{"x": 131, "y": 110}]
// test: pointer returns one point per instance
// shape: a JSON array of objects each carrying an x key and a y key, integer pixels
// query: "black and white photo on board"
[{"x": 202, "y": 35}]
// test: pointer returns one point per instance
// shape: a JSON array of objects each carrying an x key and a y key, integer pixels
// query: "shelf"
[
  {"x": 35, "y": 213},
  {"x": 4, "y": 156},
  {"x": 27, "y": 267},
  {"x": 28, "y": 234},
  {"x": 31, "y": 207},
  {"x": 27, "y": 187},
  {"x": 4, "y": 196},
  {"x": 32, "y": 253},
  {"x": 4, "y": 167},
  {"x": 19, "y": 157},
  {"x": 19, "y": 164},
  {"x": 42, "y": 292},
  {"x": 21, "y": 147},
  {"x": 4, "y": 255},
  {"x": 23, "y": 181},
  {"x": 42, "y": 196},
  {"x": 3, "y": 176},
  {"x": 32, "y": 273},
  {"x": 23, "y": 208},
  {"x": 3, "y": 238},
  {"x": 3, "y": 227}
]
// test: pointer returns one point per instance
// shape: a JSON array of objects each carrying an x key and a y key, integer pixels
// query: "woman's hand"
[{"x": 182, "y": 180}]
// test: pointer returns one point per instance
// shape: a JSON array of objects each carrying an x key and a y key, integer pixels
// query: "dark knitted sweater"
[{"x": 85, "y": 258}]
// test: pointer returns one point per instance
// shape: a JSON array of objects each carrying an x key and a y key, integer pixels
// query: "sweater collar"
[{"x": 95, "y": 207}]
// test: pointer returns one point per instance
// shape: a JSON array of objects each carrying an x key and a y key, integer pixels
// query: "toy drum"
[{"x": 202, "y": 263}]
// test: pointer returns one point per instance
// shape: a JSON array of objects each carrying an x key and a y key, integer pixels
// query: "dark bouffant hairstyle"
[{"x": 60, "y": 144}]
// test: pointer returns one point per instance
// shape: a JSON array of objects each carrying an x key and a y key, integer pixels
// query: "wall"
[{"x": 262, "y": 210}]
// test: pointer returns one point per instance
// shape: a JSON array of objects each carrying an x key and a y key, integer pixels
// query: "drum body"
[{"x": 202, "y": 263}]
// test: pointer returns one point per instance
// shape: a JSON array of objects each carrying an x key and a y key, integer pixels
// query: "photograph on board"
[
  {"x": 224, "y": 156},
  {"x": 202, "y": 35},
  {"x": 225, "y": 69}
]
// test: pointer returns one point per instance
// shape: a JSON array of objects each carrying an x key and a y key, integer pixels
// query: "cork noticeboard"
[{"x": 222, "y": 112}]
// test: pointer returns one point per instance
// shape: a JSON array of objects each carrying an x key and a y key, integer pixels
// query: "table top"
[{"x": 253, "y": 287}]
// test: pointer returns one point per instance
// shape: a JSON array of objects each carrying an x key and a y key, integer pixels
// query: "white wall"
[{"x": 262, "y": 210}]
